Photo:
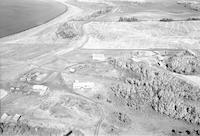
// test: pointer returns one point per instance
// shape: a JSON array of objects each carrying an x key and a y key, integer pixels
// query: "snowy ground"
[{"x": 119, "y": 102}]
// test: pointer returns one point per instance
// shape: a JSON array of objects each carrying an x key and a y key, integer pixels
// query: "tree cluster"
[
  {"x": 159, "y": 89},
  {"x": 166, "y": 20},
  {"x": 128, "y": 19},
  {"x": 120, "y": 119},
  {"x": 101, "y": 12}
]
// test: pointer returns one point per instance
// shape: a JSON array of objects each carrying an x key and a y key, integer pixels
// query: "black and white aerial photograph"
[{"x": 99, "y": 67}]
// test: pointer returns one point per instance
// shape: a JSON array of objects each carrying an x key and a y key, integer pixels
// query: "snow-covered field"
[
  {"x": 97, "y": 85},
  {"x": 143, "y": 35},
  {"x": 102, "y": 1}
]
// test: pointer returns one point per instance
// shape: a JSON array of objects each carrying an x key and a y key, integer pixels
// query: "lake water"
[{"x": 19, "y": 15}]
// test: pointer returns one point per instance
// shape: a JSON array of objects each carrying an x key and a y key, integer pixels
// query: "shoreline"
[{"x": 29, "y": 31}]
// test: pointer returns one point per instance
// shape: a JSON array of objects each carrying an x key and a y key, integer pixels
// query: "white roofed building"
[
  {"x": 16, "y": 118},
  {"x": 4, "y": 117},
  {"x": 83, "y": 85},
  {"x": 98, "y": 57},
  {"x": 41, "y": 89},
  {"x": 72, "y": 70},
  {"x": 3, "y": 93}
]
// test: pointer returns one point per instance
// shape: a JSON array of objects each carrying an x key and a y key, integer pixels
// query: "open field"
[
  {"x": 192, "y": 4},
  {"x": 143, "y": 35},
  {"x": 40, "y": 111},
  {"x": 86, "y": 73}
]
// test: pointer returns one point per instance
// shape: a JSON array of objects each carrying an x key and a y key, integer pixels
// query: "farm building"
[
  {"x": 72, "y": 70},
  {"x": 41, "y": 89},
  {"x": 33, "y": 76},
  {"x": 84, "y": 85},
  {"x": 98, "y": 57},
  {"x": 12, "y": 89},
  {"x": 16, "y": 118},
  {"x": 9, "y": 118},
  {"x": 3, "y": 93},
  {"x": 4, "y": 117}
]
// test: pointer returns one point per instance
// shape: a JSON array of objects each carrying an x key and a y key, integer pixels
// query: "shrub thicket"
[
  {"x": 183, "y": 63},
  {"x": 192, "y": 19},
  {"x": 185, "y": 132},
  {"x": 120, "y": 119},
  {"x": 66, "y": 31}
]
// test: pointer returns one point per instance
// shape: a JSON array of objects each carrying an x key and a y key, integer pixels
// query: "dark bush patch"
[
  {"x": 193, "y": 19},
  {"x": 128, "y": 19},
  {"x": 166, "y": 20}
]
